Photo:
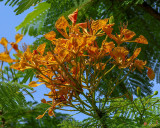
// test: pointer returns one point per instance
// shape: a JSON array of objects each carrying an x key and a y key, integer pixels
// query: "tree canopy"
[{"x": 140, "y": 16}]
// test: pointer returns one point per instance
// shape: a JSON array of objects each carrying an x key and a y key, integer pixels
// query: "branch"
[
  {"x": 2, "y": 119},
  {"x": 146, "y": 7}
]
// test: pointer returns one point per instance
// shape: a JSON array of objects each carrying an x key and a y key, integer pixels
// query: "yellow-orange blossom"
[{"x": 61, "y": 69}]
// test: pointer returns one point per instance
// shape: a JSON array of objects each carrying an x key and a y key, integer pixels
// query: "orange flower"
[
  {"x": 34, "y": 84},
  {"x": 135, "y": 54},
  {"x": 41, "y": 48},
  {"x": 50, "y": 36},
  {"x": 100, "y": 66},
  {"x": 6, "y": 57},
  {"x": 108, "y": 29},
  {"x": 139, "y": 64},
  {"x": 97, "y": 25},
  {"x": 73, "y": 16},
  {"x": 14, "y": 46},
  {"x": 55, "y": 102},
  {"x": 82, "y": 25},
  {"x": 150, "y": 73},
  {"x": 119, "y": 54},
  {"x": 18, "y": 38},
  {"x": 50, "y": 110},
  {"x": 22, "y": 65},
  {"x": 61, "y": 25},
  {"x": 62, "y": 69},
  {"x": 93, "y": 51},
  {"x": 128, "y": 35},
  {"x": 125, "y": 36},
  {"x": 141, "y": 39},
  {"x": 75, "y": 70},
  {"x": 108, "y": 46},
  {"x": 4, "y": 42}
]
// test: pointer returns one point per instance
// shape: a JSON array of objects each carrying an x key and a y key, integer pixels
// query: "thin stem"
[
  {"x": 99, "y": 79},
  {"x": 141, "y": 115},
  {"x": 119, "y": 82},
  {"x": 81, "y": 110},
  {"x": 100, "y": 67},
  {"x": 2, "y": 71}
]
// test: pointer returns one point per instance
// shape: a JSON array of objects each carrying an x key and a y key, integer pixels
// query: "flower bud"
[
  {"x": 138, "y": 91},
  {"x": 35, "y": 52},
  {"x": 6, "y": 68},
  {"x": 155, "y": 93},
  {"x": 145, "y": 123}
]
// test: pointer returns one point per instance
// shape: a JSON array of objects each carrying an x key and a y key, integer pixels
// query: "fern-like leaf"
[
  {"x": 39, "y": 15},
  {"x": 22, "y": 4},
  {"x": 11, "y": 96}
]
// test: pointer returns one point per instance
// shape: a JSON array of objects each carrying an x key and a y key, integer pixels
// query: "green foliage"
[
  {"x": 26, "y": 117},
  {"x": 27, "y": 75},
  {"x": 139, "y": 80},
  {"x": 140, "y": 110},
  {"x": 89, "y": 123},
  {"x": 22, "y": 4},
  {"x": 8, "y": 74},
  {"x": 70, "y": 123},
  {"x": 12, "y": 99},
  {"x": 38, "y": 16},
  {"x": 15, "y": 111},
  {"x": 35, "y": 22},
  {"x": 135, "y": 2},
  {"x": 11, "y": 96},
  {"x": 122, "y": 113}
]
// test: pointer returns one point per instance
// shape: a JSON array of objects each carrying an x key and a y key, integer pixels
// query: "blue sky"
[{"x": 8, "y": 22}]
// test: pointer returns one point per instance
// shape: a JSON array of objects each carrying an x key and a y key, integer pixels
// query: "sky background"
[{"x": 8, "y": 21}]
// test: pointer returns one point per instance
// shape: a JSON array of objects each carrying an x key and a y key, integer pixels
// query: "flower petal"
[
  {"x": 4, "y": 42},
  {"x": 73, "y": 16},
  {"x": 6, "y": 58},
  {"x": 50, "y": 35},
  {"x": 41, "y": 48},
  {"x": 62, "y": 23},
  {"x": 108, "y": 29},
  {"x": 50, "y": 112},
  {"x": 33, "y": 84},
  {"x": 108, "y": 46},
  {"x": 139, "y": 64},
  {"x": 18, "y": 37},
  {"x": 141, "y": 39},
  {"x": 82, "y": 25},
  {"x": 150, "y": 73},
  {"x": 128, "y": 34},
  {"x": 43, "y": 101},
  {"x": 40, "y": 116},
  {"x": 100, "y": 66},
  {"x": 14, "y": 46},
  {"x": 98, "y": 24},
  {"x": 135, "y": 54}
]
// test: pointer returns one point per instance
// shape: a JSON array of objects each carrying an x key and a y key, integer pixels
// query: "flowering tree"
[{"x": 76, "y": 64}]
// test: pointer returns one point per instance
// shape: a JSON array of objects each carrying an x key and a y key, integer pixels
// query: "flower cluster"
[{"x": 62, "y": 69}]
